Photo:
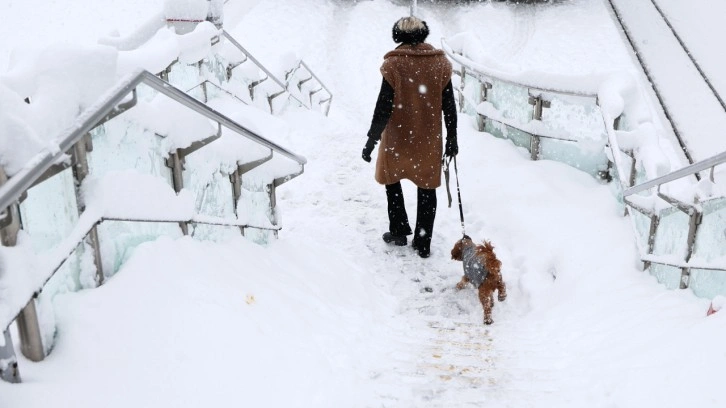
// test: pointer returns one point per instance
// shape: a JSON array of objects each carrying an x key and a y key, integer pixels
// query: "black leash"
[{"x": 458, "y": 189}]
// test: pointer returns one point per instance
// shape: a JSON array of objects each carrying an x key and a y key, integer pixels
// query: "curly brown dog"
[{"x": 483, "y": 270}]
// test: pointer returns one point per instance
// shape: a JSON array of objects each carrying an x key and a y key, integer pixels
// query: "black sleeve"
[
  {"x": 383, "y": 111},
  {"x": 448, "y": 105}
]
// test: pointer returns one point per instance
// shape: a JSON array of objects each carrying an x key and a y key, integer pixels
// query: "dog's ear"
[{"x": 456, "y": 251}]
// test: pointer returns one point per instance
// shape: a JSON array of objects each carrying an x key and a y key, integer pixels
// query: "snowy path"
[
  {"x": 441, "y": 354},
  {"x": 330, "y": 316}
]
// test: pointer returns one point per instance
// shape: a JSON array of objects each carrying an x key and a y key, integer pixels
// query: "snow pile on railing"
[
  {"x": 617, "y": 94},
  {"x": 44, "y": 92}
]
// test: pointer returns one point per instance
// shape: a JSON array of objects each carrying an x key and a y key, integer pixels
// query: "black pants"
[{"x": 425, "y": 214}]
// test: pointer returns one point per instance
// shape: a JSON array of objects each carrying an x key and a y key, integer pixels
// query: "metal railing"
[
  {"x": 626, "y": 174},
  {"x": 538, "y": 96},
  {"x": 284, "y": 86},
  {"x": 75, "y": 142}
]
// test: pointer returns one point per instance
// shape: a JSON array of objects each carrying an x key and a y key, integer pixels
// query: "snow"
[{"x": 329, "y": 315}]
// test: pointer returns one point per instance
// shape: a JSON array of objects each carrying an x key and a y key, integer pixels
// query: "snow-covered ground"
[{"x": 330, "y": 316}]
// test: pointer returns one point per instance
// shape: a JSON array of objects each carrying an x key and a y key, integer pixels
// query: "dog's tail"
[{"x": 490, "y": 258}]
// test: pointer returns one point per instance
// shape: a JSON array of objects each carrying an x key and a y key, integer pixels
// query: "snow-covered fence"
[
  {"x": 120, "y": 176},
  {"x": 560, "y": 122},
  {"x": 600, "y": 125}
]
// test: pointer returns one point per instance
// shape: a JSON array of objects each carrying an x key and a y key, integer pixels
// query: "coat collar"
[{"x": 405, "y": 50}]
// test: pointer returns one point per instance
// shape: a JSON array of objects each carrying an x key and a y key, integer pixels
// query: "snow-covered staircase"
[{"x": 177, "y": 140}]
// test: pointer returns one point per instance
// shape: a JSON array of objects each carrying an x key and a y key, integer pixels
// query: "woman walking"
[{"x": 416, "y": 88}]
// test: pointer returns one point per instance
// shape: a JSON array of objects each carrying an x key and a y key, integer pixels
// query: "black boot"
[
  {"x": 425, "y": 215},
  {"x": 398, "y": 226},
  {"x": 395, "y": 239}
]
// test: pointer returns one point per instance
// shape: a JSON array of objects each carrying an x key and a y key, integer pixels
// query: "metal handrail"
[
  {"x": 260, "y": 66},
  {"x": 678, "y": 174},
  {"x": 481, "y": 71},
  {"x": 22, "y": 180},
  {"x": 83, "y": 229}
]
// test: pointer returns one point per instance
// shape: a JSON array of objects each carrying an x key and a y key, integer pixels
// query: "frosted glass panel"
[
  {"x": 49, "y": 213},
  {"x": 213, "y": 196},
  {"x": 708, "y": 283},
  {"x": 668, "y": 275},
  {"x": 572, "y": 154},
  {"x": 642, "y": 228},
  {"x": 183, "y": 76},
  {"x": 503, "y": 131},
  {"x": 672, "y": 234},
  {"x": 121, "y": 145},
  {"x": 711, "y": 235},
  {"x": 578, "y": 119},
  {"x": 120, "y": 238},
  {"x": 254, "y": 209}
]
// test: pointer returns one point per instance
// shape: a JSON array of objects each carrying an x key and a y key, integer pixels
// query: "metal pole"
[
  {"x": 8, "y": 237},
  {"x": 177, "y": 169},
  {"x": 538, "y": 104},
  {"x": 272, "y": 193},
  {"x": 80, "y": 171},
  {"x": 31, "y": 339},
  {"x": 9, "y": 371}
]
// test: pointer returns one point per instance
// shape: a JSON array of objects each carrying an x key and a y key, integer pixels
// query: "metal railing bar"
[
  {"x": 656, "y": 259},
  {"x": 485, "y": 75},
  {"x": 208, "y": 82},
  {"x": 188, "y": 101},
  {"x": 690, "y": 56},
  {"x": 514, "y": 125},
  {"x": 21, "y": 181},
  {"x": 197, "y": 219},
  {"x": 646, "y": 71},
  {"x": 200, "y": 143},
  {"x": 50, "y": 172},
  {"x": 86, "y": 225},
  {"x": 316, "y": 78},
  {"x": 245, "y": 167},
  {"x": 262, "y": 67},
  {"x": 284, "y": 179},
  {"x": 680, "y": 173}
]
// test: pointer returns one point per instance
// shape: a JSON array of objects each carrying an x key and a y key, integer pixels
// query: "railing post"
[
  {"x": 8, "y": 236},
  {"x": 236, "y": 179},
  {"x": 176, "y": 164},
  {"x": 484, "y": 88},
  {"x": 31, "y": 339},
  {"x": 462, "y": 100},
  {"x": 9, "y": 371},
  {"x": 694, "y": 222},
  {"x": 538, "y": 103},
  {"x": 272, "y": 193},
  {"x": 80, "y": 171}
]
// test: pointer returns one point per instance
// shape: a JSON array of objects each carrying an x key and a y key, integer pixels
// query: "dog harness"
[{"x": 473, "y": 267}]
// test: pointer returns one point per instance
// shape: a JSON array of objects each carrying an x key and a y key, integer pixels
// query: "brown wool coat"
[{"x": 411, "y": 144}]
